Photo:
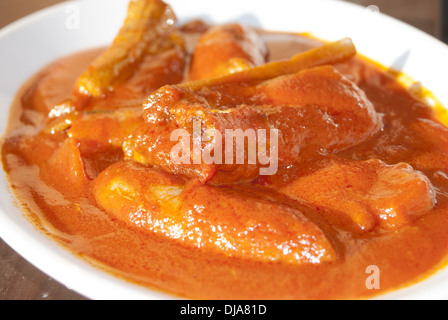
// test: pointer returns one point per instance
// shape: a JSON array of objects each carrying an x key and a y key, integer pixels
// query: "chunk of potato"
[
  {"x": 364, "y": 194},
  {"x": 217, "y": 220}
]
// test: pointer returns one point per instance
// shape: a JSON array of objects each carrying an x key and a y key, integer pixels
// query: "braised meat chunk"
[{"x": 316, "y": 111}]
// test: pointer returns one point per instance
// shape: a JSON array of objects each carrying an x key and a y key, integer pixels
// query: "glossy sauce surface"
[{"x": 308, "y": 232}]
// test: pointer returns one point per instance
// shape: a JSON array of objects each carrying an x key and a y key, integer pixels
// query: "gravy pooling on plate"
[{"x": 359, "y": 180}]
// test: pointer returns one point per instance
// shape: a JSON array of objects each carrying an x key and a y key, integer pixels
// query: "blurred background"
[
  {"x": 21, "y": 281},
  {"x": 426, "y": 15}
]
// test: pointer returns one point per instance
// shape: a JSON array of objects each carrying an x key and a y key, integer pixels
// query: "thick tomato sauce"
[{"x": 67, "y": 210}]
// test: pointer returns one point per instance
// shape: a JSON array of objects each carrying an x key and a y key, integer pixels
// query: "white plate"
[{"x": 31, "y": 43}]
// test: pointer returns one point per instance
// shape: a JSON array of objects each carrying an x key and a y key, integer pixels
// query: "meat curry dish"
[{"x": 360, "y": 166}]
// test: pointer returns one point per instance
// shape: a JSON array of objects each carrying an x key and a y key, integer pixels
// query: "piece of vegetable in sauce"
[
  {"x": 66, "y": 167},
  {"x": 209, "y": 218},
  {"x": 226, "y": 49},
  {"x": 148, "y": 30},
  {"x": 105, "y": 129},
  {"x": 328, "y": 54},
  {"x": 364, "y": 194}
]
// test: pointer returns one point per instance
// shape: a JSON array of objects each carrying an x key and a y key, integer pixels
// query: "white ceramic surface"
[{"x": 31, "y": 43}]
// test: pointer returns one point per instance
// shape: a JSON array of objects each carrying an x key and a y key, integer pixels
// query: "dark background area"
[
  {"x": 19, "y": 280},
  {"x": 423, "y": 14},
  {"x": 444, "y": 23}
]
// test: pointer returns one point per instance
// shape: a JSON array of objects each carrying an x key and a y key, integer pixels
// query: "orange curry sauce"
[{"x": 59, "y": 175}]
